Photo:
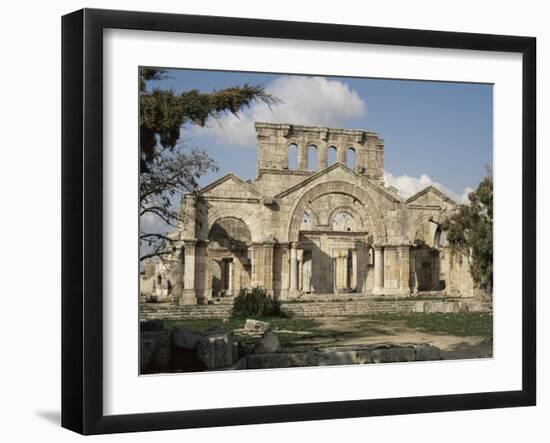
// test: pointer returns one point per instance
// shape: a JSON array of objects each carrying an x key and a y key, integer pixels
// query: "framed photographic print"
[{"x": 270, "y": 221}]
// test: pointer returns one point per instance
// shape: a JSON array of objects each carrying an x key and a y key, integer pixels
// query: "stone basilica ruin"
[{"x": 315, "y": 229}]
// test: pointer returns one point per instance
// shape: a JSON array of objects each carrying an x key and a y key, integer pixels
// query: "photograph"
[{"x": 291, "y": 220}]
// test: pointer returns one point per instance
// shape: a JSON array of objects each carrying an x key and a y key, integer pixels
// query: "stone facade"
[{"x": 316, "y": 228}]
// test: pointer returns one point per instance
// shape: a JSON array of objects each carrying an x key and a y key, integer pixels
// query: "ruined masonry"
[{"x": 313, "y": 229}]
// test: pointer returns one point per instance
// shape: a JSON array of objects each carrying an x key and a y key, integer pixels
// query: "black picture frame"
[{"x": 82, "y": 218}]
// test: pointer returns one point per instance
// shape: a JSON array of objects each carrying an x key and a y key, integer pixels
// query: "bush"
[{"x": 256, "y": 303}]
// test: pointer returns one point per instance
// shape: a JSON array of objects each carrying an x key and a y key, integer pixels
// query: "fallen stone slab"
[{"x": 256, "y": 325}]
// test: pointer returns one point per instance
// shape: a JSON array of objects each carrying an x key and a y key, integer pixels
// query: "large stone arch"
[
  {"x": 337, "y": 187},
  {"x": 249, "y": 218},
  {"x": 436, "y": 217},
  {"x": 313, "y": 216},
  {"x": 230, "y": 232}
]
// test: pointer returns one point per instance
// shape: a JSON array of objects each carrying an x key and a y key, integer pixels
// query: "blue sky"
[{"x": 437, "y": 133}]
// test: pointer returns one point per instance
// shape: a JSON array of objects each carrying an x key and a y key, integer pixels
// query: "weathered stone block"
[
  {"x": 364, "y": 356},
  {"x": 216, "y": 350},
  {"x": 393, "y": 354},
  {"x": 281, "y": 360},
  {"x": 442, "y": 306},
  {"x": 330, "y": 358},
  {"x": 256, "y": 325},
  {"x": 160, "y": 358},
  {"x": 147, "y": 348},
  {"x": 186, "y": 339},
  {"x": 268, "y": 343},
  {"x": 427, "y": 353}
]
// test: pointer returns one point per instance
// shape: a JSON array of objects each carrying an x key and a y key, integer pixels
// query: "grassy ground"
[
  {"x": 459, "y": 324},
  {"x": 296, "y": 324},
  {"x": 304, "y": 333}
]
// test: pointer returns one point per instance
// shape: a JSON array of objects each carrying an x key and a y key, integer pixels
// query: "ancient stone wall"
[{"x": 315, "y": 229}]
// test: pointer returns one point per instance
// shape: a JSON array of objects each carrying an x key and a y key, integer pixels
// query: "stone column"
[
  {"x": 300, "y": 257},
  {"x": 341, "y": 154},
  {"x": 302, "y": 157},
  {"x": 230, "y": 283},
  {"x": 378, "y": 270},
  {"x": 189, "y": 208},
  {"x": 293, "y": 269},
  {"x": 412, "y": 277},
  {"x": 404, "y": 269},
  {"x": 322, "y": 157},
  {"x": 256, "y": 264},
  {"x": 353, "y": 269},
  {"x": 188, "y": 296},
  {"x": 177, "y": 273},
  {"x": 268, "y": 266}
]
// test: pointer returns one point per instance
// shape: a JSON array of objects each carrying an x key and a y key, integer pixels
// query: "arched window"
[
  {"x": 293, "y": 157},
  {"x": 371, "y": 256},
  {"x": 312, "y": 158},
  {"x": 331, "y": 155},
  {"x": 350, "y": 158},
  {"x": 342, "y": 221},
  {"x": 306, "y": 222},
  {"x": 159, "y": 279}
]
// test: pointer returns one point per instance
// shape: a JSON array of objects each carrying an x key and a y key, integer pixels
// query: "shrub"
[{"x": 256, "y": 303}]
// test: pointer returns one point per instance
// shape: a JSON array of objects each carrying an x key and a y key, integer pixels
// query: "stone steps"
[
  {"x": 172, "y": 311},
  {"x": 335, "y": 309}
]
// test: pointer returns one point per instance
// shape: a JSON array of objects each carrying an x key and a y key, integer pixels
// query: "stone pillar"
[
  {"x": 188, "y": 296},
  {"x": 262, "y": 265},
  {"x": 353, "y": 269},
  {"x": 285, "y": 269},
  {"x": 378, "y": 270},
  {"x": 322, "y": 157},
  {"x": 435, "y": 270},
  {"x": 255, "y": 265},
  {"x": 268, "y": 266},
  {"x": 300, "y": 257},
  {"x": 404, "y": 270},
  {"x": 177, "y": 273},
  {"x": 412, "y": 277},
  {"x": 293, "y": 269},
  {"x": 190, "y": 216},
  {"x": 230, "y": 269},
  {"x": 302, "y": 158},
  {"x": 341, "y": 154},
  {"x": 344, "y": 270}
]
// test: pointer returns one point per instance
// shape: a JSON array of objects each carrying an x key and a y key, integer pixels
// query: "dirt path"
[{"x": 358, "y": 331}]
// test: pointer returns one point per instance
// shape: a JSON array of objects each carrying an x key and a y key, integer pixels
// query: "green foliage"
[
  {"x": 168, "y": 169},
  {"x": 256, "y": 303},
  {"x": 470, "y": 233},
  {"x": 163, "y": 112}
]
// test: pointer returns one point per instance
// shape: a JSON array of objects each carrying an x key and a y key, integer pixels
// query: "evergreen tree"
[{"x": 168, "y": 167}]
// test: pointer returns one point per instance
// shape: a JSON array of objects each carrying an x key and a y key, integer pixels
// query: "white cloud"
[
  {"x": 304, "y": 100},
  {"x": 409, "y": 186}
]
